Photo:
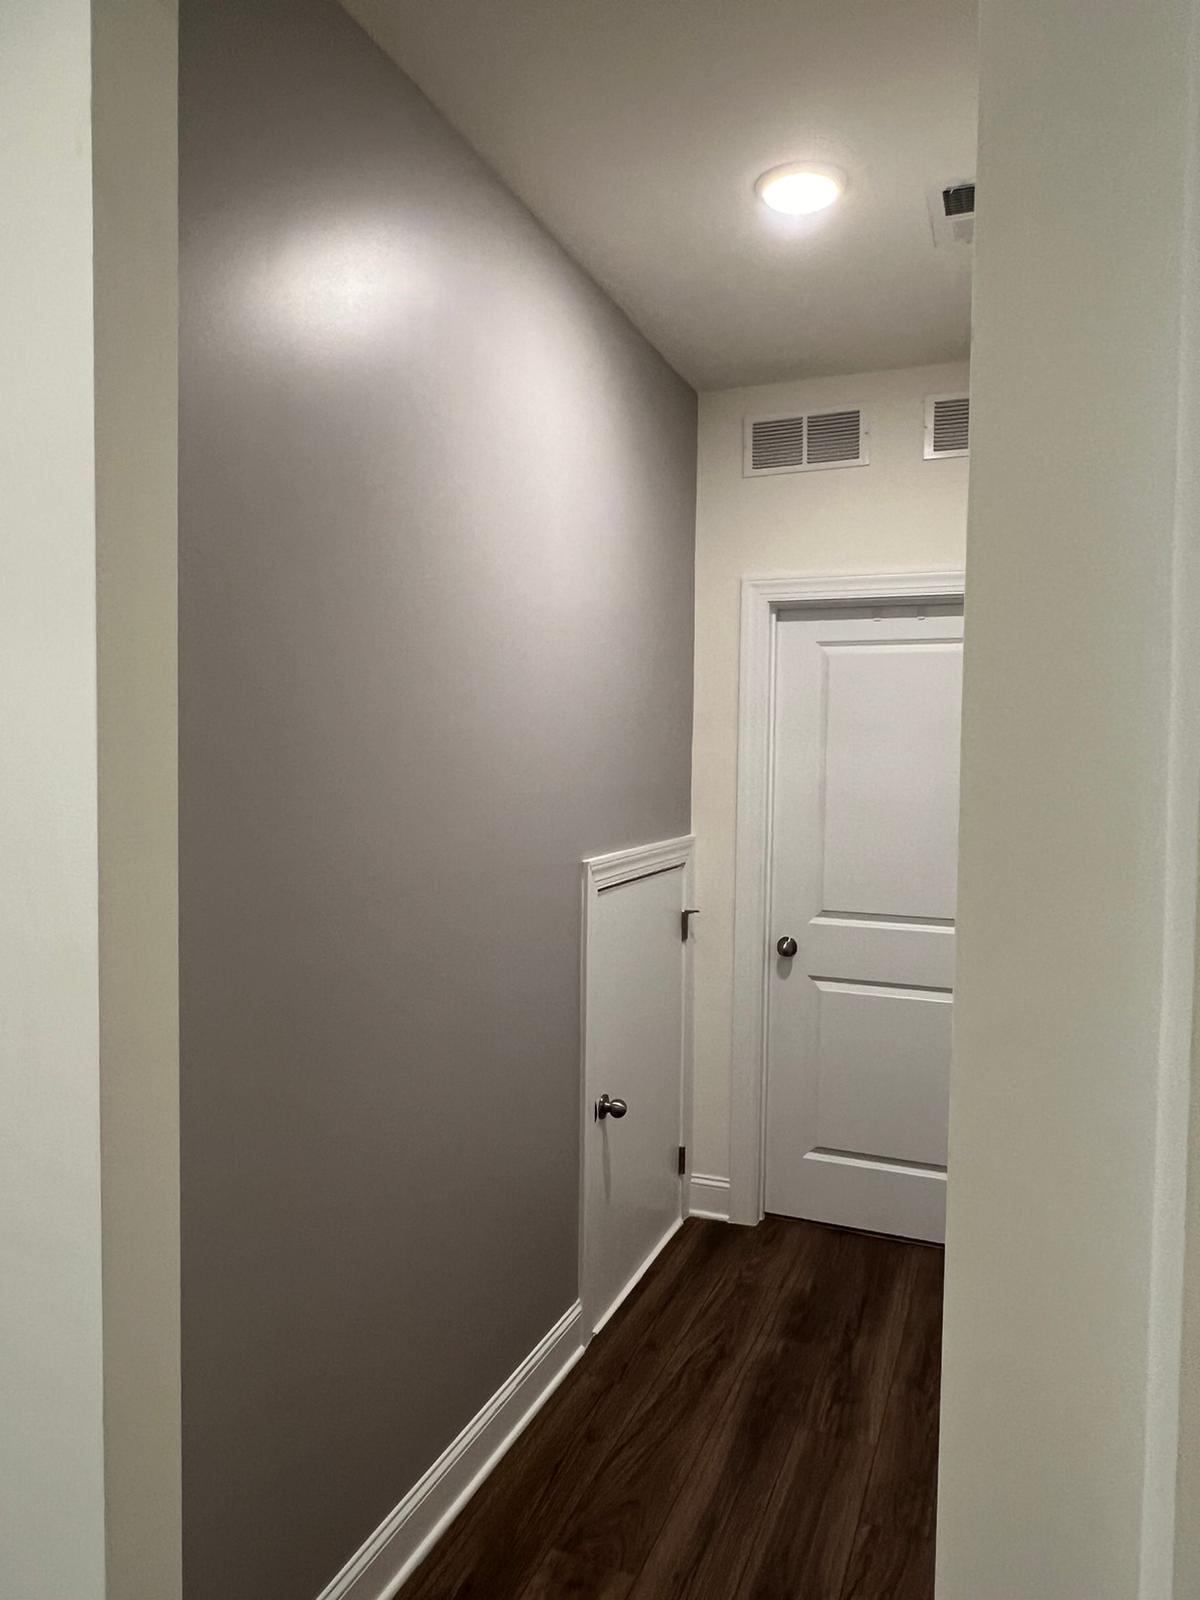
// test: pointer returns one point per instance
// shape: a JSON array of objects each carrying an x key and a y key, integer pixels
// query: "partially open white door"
[
  {"x": 864, "y": 852},
  {"x": 635, "y": 1028}
]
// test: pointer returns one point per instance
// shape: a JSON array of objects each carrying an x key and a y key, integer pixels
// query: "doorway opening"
[
  {"x": 847, "y": 830},
  {"x": 863, "y": 871}
]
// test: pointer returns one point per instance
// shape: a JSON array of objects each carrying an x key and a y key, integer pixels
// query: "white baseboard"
[
  {"x": 708, "y": 1197},
  {"x": 405, "y": 1537}
]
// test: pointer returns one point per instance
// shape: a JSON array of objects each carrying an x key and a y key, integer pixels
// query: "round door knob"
[
  {"x": 787, "y": 946},
  {"x": 607, "y": 1107}
]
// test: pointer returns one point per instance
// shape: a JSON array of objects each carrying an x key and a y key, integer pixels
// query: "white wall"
[
  {"x": 1187, "y": 1525},
  {"x": 1079, "y": 807},
  {"x": 900, "y": 512},
  {"x": 51, "y": 1466},
  {"x": 135, "y": 68}
]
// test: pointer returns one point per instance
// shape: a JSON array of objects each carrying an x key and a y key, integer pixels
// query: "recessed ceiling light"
[{"x": 801, "y": 188}]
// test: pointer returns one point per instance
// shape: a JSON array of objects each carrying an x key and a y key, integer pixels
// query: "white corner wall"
[
  {"x": 1187, "y": 1518},
  {"x": 135, "y": 161},
  {"x": 89, "y": 1342},
  {"x": 900, "y": 512},
  {"x": 1079, "y": 812},
  {"x": 51, "y": 1449}
]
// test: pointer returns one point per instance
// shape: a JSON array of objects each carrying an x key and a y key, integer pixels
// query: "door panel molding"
[{"x": 763, "y": 600}]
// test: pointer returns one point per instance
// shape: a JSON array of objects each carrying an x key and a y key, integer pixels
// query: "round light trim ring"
[{"x": 801, "y": 188}]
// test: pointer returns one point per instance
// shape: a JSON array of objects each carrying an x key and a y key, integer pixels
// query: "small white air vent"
[
  {"x": 952, "y": 213},
  {"x": 947, "y": 426},
  {"x": 804, "y": 442}
]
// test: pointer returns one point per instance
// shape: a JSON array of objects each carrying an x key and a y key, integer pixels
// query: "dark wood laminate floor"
[{"x": 758, "y": 1422}]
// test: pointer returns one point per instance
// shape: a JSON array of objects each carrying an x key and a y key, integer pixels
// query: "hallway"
[{"x": 758, "y": 1422}]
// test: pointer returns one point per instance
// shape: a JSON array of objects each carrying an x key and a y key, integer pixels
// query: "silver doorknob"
[
  {"x": 607, "y": 1107},
  {"x": 787, "y": 946}
]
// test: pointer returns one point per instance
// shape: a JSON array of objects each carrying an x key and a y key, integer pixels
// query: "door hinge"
[
  {"x": 685, "y": 917},
  {"x": 682, "y": 1160}
]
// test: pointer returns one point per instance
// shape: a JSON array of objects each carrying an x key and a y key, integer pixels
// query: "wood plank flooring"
[{"x": 758, "y": 1422}]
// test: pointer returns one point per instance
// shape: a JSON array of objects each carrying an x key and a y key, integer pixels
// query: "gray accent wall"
[{"x": 436, "y": 541}]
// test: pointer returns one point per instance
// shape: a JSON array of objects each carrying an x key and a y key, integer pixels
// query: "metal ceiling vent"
[
  {"x": 952, "y": 213},
  {"x": 804, "y": 442},
  {"x": 947, "y": 426}
]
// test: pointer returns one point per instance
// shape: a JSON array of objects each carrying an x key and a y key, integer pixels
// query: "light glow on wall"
[{"x": 338, "y": 285}]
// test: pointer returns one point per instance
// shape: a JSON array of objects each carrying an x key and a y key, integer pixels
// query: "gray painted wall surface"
[{"x": 436, "y": 645}]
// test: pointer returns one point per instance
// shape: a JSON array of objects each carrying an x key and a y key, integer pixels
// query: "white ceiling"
[{"x": 635, "y": 130}]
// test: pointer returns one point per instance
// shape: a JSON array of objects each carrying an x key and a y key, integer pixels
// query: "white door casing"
[
  {"x": 867, "y": 712},
  {"x": 764, "y": 602},
  {"x": 636, "y": 1026}
]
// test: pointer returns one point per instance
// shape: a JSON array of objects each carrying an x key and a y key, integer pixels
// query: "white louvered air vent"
[
  {"x": 947, "y": 426},
  {"x": 952, "y": 213},
  {"x": 804, "y": 442}
]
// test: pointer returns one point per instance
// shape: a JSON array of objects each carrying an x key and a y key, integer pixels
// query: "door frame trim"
[
  {"x": 763, "y": 599},
  {"x": 601, "y": 873}
]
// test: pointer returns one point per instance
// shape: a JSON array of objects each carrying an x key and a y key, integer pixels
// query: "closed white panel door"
[
  {"x": 634, "y": 978},
  {"x": 864, "y": 852}
]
